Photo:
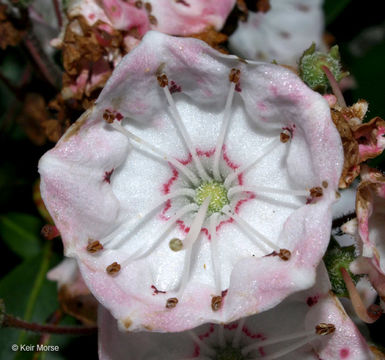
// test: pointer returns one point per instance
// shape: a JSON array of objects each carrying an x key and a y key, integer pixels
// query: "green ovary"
[
  {"x": 216, "y": 191},
  {"x": 229, "y": 353}
]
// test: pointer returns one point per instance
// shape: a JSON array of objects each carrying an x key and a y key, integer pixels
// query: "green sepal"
[{"x": 338, "y": 257}]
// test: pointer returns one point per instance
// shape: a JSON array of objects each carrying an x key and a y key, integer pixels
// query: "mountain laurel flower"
[
  {"x": 309, "y": 325},
  {"x": 198, "y": 187},
  {"x": 281, "y": 33}
]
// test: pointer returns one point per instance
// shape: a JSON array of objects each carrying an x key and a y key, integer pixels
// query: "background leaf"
[{"x": 21, "y": 233}]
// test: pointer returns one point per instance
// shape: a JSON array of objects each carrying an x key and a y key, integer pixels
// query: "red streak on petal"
[
  {"x": 167, "y": 185},
  {"x": 107, "y": 176},
  {"x": 312, "y": 300},
  {"x": 252, "y": 335},
  {"x": 229, "y": 163},
  {"x": 344, "y": 353}
]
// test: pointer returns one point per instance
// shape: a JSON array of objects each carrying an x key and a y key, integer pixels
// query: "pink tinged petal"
[
  {"x": 280, "y": 34},
  {"x": 190, "y": 16},
  {"x": 170, "y": 98},
  {"x": 72, "y": 177}
]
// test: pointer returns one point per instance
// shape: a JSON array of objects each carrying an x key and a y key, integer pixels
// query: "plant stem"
[{"x": 11, "y": 321}]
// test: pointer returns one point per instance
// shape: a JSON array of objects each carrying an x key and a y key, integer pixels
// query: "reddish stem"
[
  {"x": 46, "y": 67},
  {"x": 11, "y": 321},
  {"x": 358, "y": 305},
  {"x": 334, "y": 84},
  {"x": 57, "y": 12}
]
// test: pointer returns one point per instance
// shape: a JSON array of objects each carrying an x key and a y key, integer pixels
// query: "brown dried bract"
[
  {"x": 162, "y": 80},
  {"x": 113, "y": 269},
  {"x": 234, "y": 75},
  {"x": 94, "y": 246},
  {"x": 325, "y": 329},
  {"x": 34, "y": 117},
  {"x": 171, "y": 303},
  {"x": 360, "y": 141},
  {"x": 263, "y": 5},
  {"x": 216, "y": 303},
  {"x": 9, "y": 34},
  {"x": 213, "y": 38}
]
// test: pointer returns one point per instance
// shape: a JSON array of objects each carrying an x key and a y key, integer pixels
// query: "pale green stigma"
[{"x": 216, "y": 191}]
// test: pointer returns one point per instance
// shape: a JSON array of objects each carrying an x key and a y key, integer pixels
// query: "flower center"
[
  {"x": 229, "y": 353},
  {"x": 217, "y": 193}
]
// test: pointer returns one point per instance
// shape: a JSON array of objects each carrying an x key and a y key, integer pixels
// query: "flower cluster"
[{"x": 196, "y": 193}]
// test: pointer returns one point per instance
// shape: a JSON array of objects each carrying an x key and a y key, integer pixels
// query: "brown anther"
[
  {"x": 153, "y": 20},
  {"x": 94, "y": 246},
  {"x": 234, "y": 75},
  {"x": 284, "y": 137},
  {"x": 148, "y": 7},
  {"x": 374, "y": 311},
  {"x": 139, "y": 4},
  {"x": 162, "y": 80},
  {"x": 338, "y": 195},
  {"x": 324, "y": 329},
  {"x": 108, "y": 116},
  {"x": 325, "y": 184},
  {"x": 171, "y": 303},
  {"x": 284, "y": 254},
  {"x": 113, "y": 268},
  {"x": 216, "y": 303},
  {"x": 316, "y": 192},
  {"x": 176, "y": 244}
]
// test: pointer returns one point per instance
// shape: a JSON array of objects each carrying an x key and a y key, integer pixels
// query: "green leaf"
[
  {"x": 332, "y": 8},
  {"x": 21, "y": 233},
  {"x": 29, "y": 295}
]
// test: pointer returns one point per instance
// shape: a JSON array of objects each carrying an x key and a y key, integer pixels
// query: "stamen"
[
  {"x": 238, "y": 333},
  {"x": 171, "y": 303},
  {"x": 261, "y": 189},
  {"x": 116, "y": 241},
  {"x": 222, "y": 134},
  {"x": 176, "y": 244},
  {"x": 184, "y": 210},
  {"x": 174, "y": 111},
  {"x": 221, "y": 335},
  {"x": 321, "y": 329},
  {"x": 232, "y": 176},
  {"x": 359, "y": 307},
  {"x": 316, "y": 192},
  {"x": 214, "y": 252},
  {"x": 182, "y": 168},
  {"x": 250, "y": 230},
  {"x": 216, "y": 303},
  {"x": 196, "y": 225},
  {"x": 273, "y": 201},
  {"x": 113, "y": 269},
  {"x": 210, "y": 351},
  {"x": 94, "y": 246},
  {"x": 189, "y": 241}
]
